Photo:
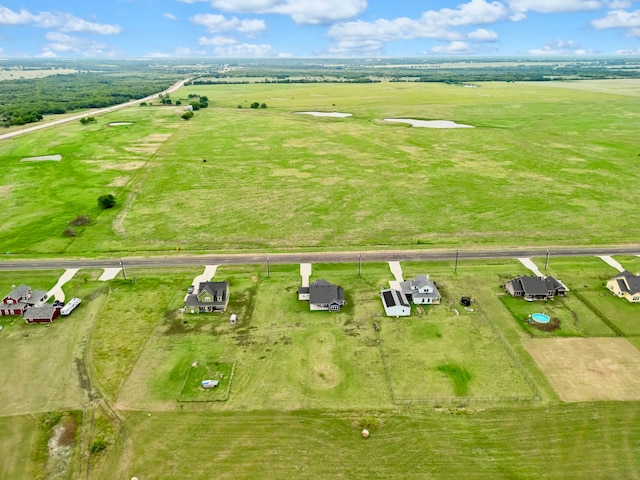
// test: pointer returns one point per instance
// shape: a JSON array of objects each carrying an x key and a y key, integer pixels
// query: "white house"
[
  {"x": 395, "y": 303},
  {"x": 421, "y": 290}
]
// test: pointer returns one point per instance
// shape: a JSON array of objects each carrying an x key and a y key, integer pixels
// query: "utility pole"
[
  {"x": 456, "y": 268},
  {"x": 359, "y": 264},
  {"x": 124, "y": 273},
  {"x": 267, "y": 267},
  {"x": 546, "y": 264}
]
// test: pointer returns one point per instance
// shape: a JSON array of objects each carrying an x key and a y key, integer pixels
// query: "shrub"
[
  {"x": 69, "y": 232},
  {"x": 98, "y": 445},
  {"x": 255, "y": 104},
  {"x": 80, "y": 221},
  {"x": 106, "y": 201},
  {"x": 187, "y": 115}
]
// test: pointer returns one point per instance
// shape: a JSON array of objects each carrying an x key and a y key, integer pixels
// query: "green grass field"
[
  {"x": 300, "y": 375},
  {"x": 539, "y": 166}
]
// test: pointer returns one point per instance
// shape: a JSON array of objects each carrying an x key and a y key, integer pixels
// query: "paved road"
[
  {"x": 92, "y": 113},
  {"x": 323, "y": 257}
]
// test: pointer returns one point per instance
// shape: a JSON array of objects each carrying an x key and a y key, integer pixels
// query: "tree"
[
  {"x": 263, "y": 105},
  {"x": 255, "y": 104},
  {"x": 187, "y": 115},
  {"x": 106, "y": 201},
  {"x": 195, "y": 105}
]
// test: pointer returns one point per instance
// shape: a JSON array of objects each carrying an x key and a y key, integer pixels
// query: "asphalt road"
[
  {"x": 92, "y": 113},
  {"x": 323, "y": 257}
]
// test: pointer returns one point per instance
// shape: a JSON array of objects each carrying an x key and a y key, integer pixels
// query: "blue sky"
[{"x": 317, "y": 28}]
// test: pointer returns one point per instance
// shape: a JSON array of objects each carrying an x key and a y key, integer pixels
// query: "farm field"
[
  {"x": 537, "y": 147},
  {"x": 317, "y": 376}
]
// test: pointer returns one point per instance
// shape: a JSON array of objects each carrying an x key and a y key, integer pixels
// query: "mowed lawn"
[
  {"x": 563, "y": 442},
  {"x": 540, "y": 166}
]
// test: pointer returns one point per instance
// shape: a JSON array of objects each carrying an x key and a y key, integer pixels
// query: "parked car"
[{"x": 190, "y": 289}]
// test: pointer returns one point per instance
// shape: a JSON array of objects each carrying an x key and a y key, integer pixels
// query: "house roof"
[
  {"x": 392, "y": 298},
  {"x": 303, "y": 290},
  {"x": 421, "y": 281},
  {"x": 40, "y": 313},
  {"x": 215, "y": 289},
  {"x": 537, "y": 286},
  {"x": 628, "y": 282},
  {"x": 19, "y": 292},
  {"x": 323, "y": 292}
]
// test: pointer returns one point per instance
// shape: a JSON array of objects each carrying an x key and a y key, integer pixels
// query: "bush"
[
  {"x": 80, "y": 221},
  {"x": 69, "y": 232},
  {"x": 255, "y": 104},
  {"x": 187, "y": 115},
  {"x": 263, "y": 105},
  {"x": 106, "y": 201},
  {"x": 98, "y": 445}
]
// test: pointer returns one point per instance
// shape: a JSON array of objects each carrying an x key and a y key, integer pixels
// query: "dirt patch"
[
  {"x": 588, "y": 369},
  {"x": 43, "y": 158},
  {"x": 126, "y": 166},
  {"x": 119, "y": 182},
  {"x": 290, "y": 172},
  {"x": 5, "y": 190}
]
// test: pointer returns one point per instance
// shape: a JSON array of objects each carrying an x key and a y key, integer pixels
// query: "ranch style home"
[
  {"x": 210, "y": 297},
  {"x": 20, "y": 299},
  {"x": 625, "y": 285},
  {"x": 421, "y": 290},
  {"x": 535, "y": 288},
  {"x": 323, "y": 295}
]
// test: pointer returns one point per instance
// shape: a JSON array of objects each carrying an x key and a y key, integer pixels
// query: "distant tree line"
[{"x": 28, "y": 100}]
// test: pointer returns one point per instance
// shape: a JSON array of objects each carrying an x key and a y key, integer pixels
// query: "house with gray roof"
[
  {"x": 395, "y": 303},
  {"x": 421, "y": 290},
  {"x": 44, "y": 314},
  {"x": 210, "y": 297},
  {"x": 625, "y": 285},
  {"x": 323, "y": 295},
  {"x": 20, "y": 298},
  {"x": 531, "y": 287}
]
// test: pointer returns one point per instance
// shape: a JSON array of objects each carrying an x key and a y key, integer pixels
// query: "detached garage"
[{"x": 44, "y": 314}]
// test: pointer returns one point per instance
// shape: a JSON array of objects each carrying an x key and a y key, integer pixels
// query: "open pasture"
[
  {"x": 539, "y": 166},
  {"x": 557, "y": 442}
]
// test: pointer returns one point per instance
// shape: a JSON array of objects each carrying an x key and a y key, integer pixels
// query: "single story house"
[
  {"x": 625, "y": 285},
  {"x": 324, "y": 296},
  {"x": 21, "y": 297},
  {"x": 211, "y": 297},
  {"x": 421, "y": 290},
  {"x": 44, "y": 314},
  {"x": 395, "y": 303},
  {"x": 535, "y": 288}
]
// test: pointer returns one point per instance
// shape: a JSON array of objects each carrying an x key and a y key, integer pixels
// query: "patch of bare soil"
[{"x": 588, "y": 369}]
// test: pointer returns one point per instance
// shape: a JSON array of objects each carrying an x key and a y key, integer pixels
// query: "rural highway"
[
  {"x": 92, "y": 113},
  {"x": 320, "y": 257}
]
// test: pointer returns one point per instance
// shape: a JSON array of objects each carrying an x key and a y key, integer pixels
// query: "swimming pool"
[{"x": 541, "y": 318}]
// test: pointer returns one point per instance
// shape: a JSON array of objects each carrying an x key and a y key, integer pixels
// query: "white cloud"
[
  {"x": 554, "y": 6},
  {"x": 440, "y": 24},
  {"x": 63, "y": 43},
  {"x": 454, "y": 48},
  {"x": 561, "y": 47},
  {"x": 64, "y": 22},
  {"x": 170, "y": 16},
  {"x": 629, "y": 52},
  {"x": 217, "y": 41},
  {"x": 219, "y": 23},
  {"x": 356, "y": 48},
  {"x": 309, "y": 12},
  {"x": 483, "y": 35},
  {"x": 618, "y": 19},
  {"x": 244, "y": 50}
]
